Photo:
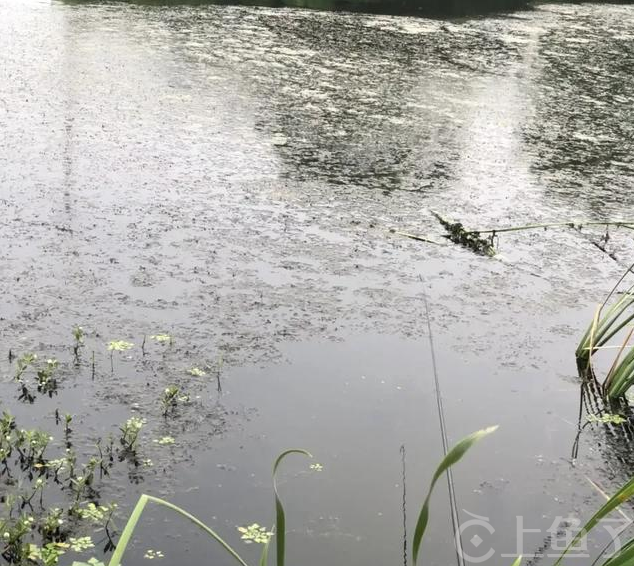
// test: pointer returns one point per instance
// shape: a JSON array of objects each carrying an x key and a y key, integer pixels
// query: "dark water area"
[
  {"x": 429, "y": 8},
  {"x": 233, "y": 176}
]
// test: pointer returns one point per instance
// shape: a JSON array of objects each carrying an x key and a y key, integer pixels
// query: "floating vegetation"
[
  {"x": 152, "y": 554},
  {"x": 119, "y": 345},
  {"x": 316, "y": 467},
  {"x": 162, "y": 338},
  {"x": 164, "y": 440},
  {"x": 196, "y": 372},
  {"x": 606, "y": 418},
  {"x": 469, "y": 239},
  {"x": 255, "y": 533}
]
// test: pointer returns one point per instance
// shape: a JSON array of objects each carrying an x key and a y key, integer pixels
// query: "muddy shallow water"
[{"x": 230, "y": 175}]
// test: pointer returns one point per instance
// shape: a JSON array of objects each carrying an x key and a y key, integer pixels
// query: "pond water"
[{"x": 230, "y": 176}]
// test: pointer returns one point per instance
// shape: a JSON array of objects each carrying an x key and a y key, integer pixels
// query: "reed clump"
[{"x": 611, "y": 329}]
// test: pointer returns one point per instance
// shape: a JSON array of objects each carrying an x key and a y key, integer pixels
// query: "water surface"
[{"x": 230, "y": 175}]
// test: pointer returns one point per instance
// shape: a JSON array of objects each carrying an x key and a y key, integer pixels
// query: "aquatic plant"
[
  {"x": 606, "y": 418},
  {"x": 256, "y": 533},
  {"x": 116, "y": 346},
  {"x": 607, "y": 323},
  {"x": 130, "y": 433},
  {"x": 162, "y": 338},
  {"x": 171, "y": 397},
  {"x": 119, "y": 345},
  {"x": 46, "y": 382},
  {"x": 470, "y": 239},
  {"x": 78, "y": 336},
  {"x": 22, "y": 363}
]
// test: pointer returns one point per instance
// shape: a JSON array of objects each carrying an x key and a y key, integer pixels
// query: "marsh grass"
[{"x": 611, "y": 329}]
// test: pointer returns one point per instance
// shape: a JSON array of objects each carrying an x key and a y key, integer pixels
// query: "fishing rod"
[{"x": 455, "y": 520}]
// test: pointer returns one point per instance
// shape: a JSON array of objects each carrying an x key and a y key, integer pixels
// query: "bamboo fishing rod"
[{"x": 455, "y": 519}]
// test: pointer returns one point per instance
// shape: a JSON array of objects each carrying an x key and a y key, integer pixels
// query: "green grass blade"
[
  {"x": 264, "y": 557},
  {"x": 623, "y": 557},
  {"x": 280, "y": 518},
  {"x": 622, "y": 377},
  {"x": 605, "y": 325},
  {"x": 126, "y": 535},
  {"x": 621, "y": 496},
  {"x": 518, "y": 561},
  {"x": 453, "y": 456},
  {"x": 134, "y": 519}
]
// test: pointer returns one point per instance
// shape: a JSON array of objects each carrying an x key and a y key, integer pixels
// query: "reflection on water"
[{"x": 584, "y": 91}]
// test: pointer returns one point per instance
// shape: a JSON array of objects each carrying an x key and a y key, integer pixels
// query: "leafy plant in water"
[
  {"x": 35, "y": 534},
  {"x": 46, "y": 382},
  {"x": 170, "y": 399},
  {"x": 118, "y": 346},
  {"x": 23, "y": 363},
  {"x": 130, "y": 433},
  {"x": 162, "y": 338},
  {"x": 47, "y": 555},
  {"x": 78, "y": 337}
]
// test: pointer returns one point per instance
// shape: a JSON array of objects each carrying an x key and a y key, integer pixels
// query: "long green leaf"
[
  {"x": 264, "y": 557},
  {"x": 280, "y": 518},
  {"x": 518, "y": 561},
  {"x": 452, "y": 457},
  {"x": 621, "y": 496},
  {"x": 623, "y": 376},
  {"x": 126, "y": 535},
  {"x": 623, "y": 557}
]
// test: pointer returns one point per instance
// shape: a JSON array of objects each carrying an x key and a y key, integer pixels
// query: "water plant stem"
[
  {"x": 404, "y": 480},
  {"x": 455, "y": 520}
]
